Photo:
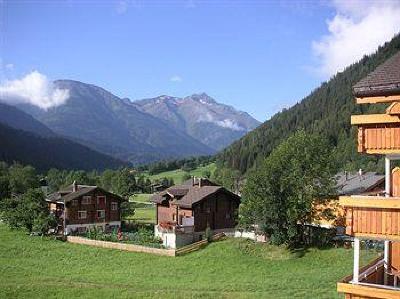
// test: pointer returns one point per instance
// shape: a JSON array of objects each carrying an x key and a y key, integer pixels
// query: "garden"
[{"x": 130, "y": 234}]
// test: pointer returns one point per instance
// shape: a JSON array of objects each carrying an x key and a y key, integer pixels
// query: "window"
[
  {"x": 101, "y": 200},
  {"x": 86, "y": 200},
  {"x": 75, "y": 202},
  {"x": 82, "y": 214},
  {"x": 101, "y": 214},
  {"x": 114, "y": 206}
]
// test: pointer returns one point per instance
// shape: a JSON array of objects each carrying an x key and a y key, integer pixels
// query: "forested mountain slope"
[
  {"x": 51, "y": 152},
  {"x": 325, "y": 111}
]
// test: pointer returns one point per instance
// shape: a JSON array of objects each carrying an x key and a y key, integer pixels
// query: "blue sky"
[{"x": 258, "y": 56}]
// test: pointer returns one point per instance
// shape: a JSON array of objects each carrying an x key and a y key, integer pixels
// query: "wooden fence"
[{"x": 197, "y": 245}]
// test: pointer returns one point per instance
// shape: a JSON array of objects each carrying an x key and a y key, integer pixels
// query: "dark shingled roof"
[
  {"x": 356, "y": 184},
  {"x": 187, "y": 194},
  {"x": 66, "y": 194},
  {"x": 384, "y": 81}
]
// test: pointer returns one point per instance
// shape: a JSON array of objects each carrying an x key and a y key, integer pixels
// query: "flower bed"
[{"x": 142, "y": 236}]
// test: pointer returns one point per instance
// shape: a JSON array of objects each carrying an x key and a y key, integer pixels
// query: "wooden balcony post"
[
  {"x": 387, "y": 177},
  {"x": 356, "y": 264}
]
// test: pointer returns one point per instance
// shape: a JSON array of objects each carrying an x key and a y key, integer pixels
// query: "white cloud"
[
  {"x": 357, "y": 29},
  {"x": 176, "y": 78},
  {"x": 121, "y": 7},
  {"x": 230, "y": 124},
  {"x": 9, "y": 66},
  {"x": 33, "y": 89}
]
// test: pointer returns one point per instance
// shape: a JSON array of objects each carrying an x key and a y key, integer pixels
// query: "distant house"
[
  {"x": 185, "y": 212},
  {"x": 158, "y": 187},
  {"x": 368, "y": 183},
  {"x": 80, "y": 207},
  {"x": 360, "y": 183}
]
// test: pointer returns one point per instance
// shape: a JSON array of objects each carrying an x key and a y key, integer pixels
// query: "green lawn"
[
  {"x": 145, "y": 215},
  {"x": 32, "y": 267},
  {"x": 145, "y": 212},
  {"x": 140, "y": 197},
  {"x": 177, "y": 175}
]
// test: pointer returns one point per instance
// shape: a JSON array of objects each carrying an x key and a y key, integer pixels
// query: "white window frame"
[
  {"x": 86, "y": 200},
  {"x": 114, "y": 206},
  {"x": 102, "y": 212},
  {"x": 100, "y": 196},
  {"x": 75, "y": 202},
  {"x": 80, "y": 213}
]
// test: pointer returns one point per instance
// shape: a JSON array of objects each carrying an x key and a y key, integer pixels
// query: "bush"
[{"x": 28, "y": 211}]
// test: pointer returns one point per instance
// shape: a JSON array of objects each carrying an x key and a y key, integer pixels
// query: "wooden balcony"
[
  {"x": 371, "y": 284},
  {"x": 378, "y": 138},
  {"x": 372, "y": 216}
]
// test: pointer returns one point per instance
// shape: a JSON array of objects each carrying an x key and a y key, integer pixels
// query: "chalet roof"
[
  {"x": 67, "y": 194},
  {"x": 383, "y": 81},
  {"x": 189, "y": 194},
  {"x": 356, "y": 184}
]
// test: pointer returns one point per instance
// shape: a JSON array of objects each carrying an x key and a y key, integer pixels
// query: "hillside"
[
  {"x": 178, "y": 174},
  {"x": 114, "y": 126},
  {"x": 52, "y": 152},
  {"x": 17, "y": 119},
  {"x": 201, "y": 117},
  {"x": 325, "y": 111}
]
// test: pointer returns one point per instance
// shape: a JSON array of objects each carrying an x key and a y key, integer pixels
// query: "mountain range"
[
  {"x": 201, "y": 117},
  {"x": 26, "y": 140},
  {"x": 136, "y": 131}
]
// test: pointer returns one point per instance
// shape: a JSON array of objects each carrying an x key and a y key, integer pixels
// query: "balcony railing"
[
  {"x": 371, "y": 283},
  {"x": 378, "y": 133},
  {"x": 372, "y": 216}
]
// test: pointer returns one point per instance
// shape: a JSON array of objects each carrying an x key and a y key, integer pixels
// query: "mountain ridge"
[
  {"x": 97, "y": 118},
  {"x": 202, "y": 117}
]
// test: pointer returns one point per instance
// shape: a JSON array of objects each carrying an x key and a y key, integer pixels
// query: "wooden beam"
[
  {"x": 393, "y": 109},
  {"x": 383, "y": 151},
  {"x": 375, "y": 100},
  {"x": 374, "y": 119},
  {"x": 379, "y": 202},
  {"x": 367, "y": 291}
]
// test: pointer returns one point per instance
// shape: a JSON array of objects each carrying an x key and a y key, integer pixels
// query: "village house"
[
  {"x": 377, "y": 217},
  {"x": 80, "y": 207},
  {"x": 331, "y": 214},
  {"x": 186, "y": 212}
]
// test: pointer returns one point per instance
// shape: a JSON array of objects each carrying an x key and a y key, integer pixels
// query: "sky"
[{"x": 258, "y": 56}]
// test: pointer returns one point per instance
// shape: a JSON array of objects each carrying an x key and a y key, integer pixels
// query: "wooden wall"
[
  {"x": 395, "y": 255},
  {"x": 91, "y": 209},
  {"x": 373, "y": 221},
  {"x": 379, "y": 137}
]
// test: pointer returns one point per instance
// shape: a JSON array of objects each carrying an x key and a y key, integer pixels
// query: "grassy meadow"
[
  {"x": 32, "y": 267},
  {"x": 178, "y": 174},
  {"x": 145, "y": 212}
]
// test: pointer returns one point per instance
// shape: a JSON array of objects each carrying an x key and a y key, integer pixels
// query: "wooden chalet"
[
  {"x": 377, "y": 216},
  {"x": 185, "y": 211},
  {"x": 81, "y": 207}
]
